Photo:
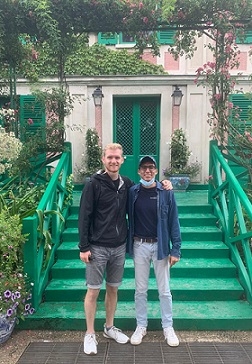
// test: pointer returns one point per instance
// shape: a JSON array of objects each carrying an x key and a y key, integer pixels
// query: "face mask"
[{"x": 147, "y": 183}]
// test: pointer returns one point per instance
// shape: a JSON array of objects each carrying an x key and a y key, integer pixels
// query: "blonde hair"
[{"x": 112, "y": 146}]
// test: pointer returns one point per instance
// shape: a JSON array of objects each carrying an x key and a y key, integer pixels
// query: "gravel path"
[{"x": 11, "y": 351}]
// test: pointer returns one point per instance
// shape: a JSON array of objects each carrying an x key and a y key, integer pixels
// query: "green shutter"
[
  {"x": 166, "y": 36},
  {"x": 32, "y": 116},
  {"x": 247, "y": 38},
  {"x": 107, "y": 38},
  {"x": 31, "y": 120},
  {"x": 244, "y": 104}
]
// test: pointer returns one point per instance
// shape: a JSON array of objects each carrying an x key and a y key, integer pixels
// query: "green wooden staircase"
[{"x": 206, "y": 292}]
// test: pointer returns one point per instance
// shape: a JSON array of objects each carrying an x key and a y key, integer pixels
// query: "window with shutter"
[
  {"x": 247, "y": 38},
  {"x": 107, "y": 38},
  {"x": 32, "y": 116},
  {"x": 166, "y": 36},
  {"x": 242, "y": 105},
  {"x": 126, "y": 38}
]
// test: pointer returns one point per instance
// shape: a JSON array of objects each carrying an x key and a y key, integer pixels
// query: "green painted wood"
[
  {"x": 134, "y": 131},
  {"x": 107, "y": 38},
  {"x": 190, "y": 249},
  {"x": 33, "y": 110},
  {"x": 166, "y": 36},
  {"x": 200, "y": 219},
  {"x": 187, "y": 315},
  {"x": 206, "y": 292},
  {"x": 182, "y": 289},
  {"x": 65, "y": 268}
]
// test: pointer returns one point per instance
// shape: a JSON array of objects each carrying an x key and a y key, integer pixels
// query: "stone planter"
[
  {"x": 180, "y": 182},
  {"x": 6, "y": 328}
]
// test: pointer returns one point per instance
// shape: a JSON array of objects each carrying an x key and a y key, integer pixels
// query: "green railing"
[
  {"x": 45, "y": 227},
  {"x": 234, "y": 211}
]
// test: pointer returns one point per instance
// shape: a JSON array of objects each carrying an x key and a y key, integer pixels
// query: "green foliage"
[
  {"x": 38, "y": 150},
  {"x": 180, "y": 154},
  {"x": 20, "y": 199},
  {"x": 44, "y": 234},
  {"x": 227, "y": 127},
  {"x": 89, "y": 61},
  {"x": 92, "y": 156},
  {"x": 41, "y": 145},
  {"x": 11, "y": 241},
  {"x": 14, "y": 290},
  {"x": 57, "y": 101},
  {"x": 69, "y": 192},
  {"x": 179, "y": 150}
]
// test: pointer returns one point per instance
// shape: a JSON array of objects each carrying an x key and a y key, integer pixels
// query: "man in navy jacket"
[{"x": 154, "y": 236}]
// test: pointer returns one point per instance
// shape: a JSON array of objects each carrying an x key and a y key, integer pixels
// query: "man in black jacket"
[{"x": 103, "y": 232}]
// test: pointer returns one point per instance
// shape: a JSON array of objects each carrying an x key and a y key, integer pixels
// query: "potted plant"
[
  {"x": 15, "y": 293},
  {"x": 180, "y": 170},
  {"x": 91, "y": 162}
]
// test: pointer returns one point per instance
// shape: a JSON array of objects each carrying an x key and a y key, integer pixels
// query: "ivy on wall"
[{"x": 87, "y": 61}]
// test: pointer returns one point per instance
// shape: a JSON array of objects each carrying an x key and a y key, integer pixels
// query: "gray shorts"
[{"x": 106, "y": 262}]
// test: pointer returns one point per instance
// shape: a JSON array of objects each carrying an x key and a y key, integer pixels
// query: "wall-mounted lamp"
[
  {"x": 97, "y": 96},
  {"x": 177, "y": 96}
]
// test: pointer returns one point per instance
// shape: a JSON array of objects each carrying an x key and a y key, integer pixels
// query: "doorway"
[{"x": 136, "y": 128}]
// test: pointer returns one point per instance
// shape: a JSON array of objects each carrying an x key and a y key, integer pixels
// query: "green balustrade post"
[
  {"x": 68, "y": 146},
  {"x": 211, "y": 166},
  {"x": 30, "y": 225}
]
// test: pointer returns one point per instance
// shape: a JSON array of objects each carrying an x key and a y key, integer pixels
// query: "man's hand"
[
  {"x": 173, "y": 260},
  {"x": 85, "y": 257},
  {"x": 167, "y": 185}
]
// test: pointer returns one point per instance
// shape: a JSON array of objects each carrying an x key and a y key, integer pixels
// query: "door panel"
[{"x": 136, "y": 128}]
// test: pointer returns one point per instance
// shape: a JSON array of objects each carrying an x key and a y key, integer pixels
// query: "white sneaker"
[
  {"x": 90, "y": 344},
  {"x": 138, "y": 335},
  {"x": 171, "y": 337},
  {"x": 116, "y": 335}
]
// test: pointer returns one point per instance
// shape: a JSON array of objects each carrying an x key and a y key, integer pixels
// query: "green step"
[
  {"x": 200, "y": 267},
  {"x": 189, "y": 249},
  {"x": 195, "y": 209},
  {"x": 200, "y": 233},
  {"x": 187, "y": 315},
  {"x": 204, "y": 249},
  {"x": 189, "y": 289},
  {"x": 72, "y": 220},
  {"x": 197, "y": 219},
  {"x": 206, "y": 291},
  {"x": 187, "y": 233},
  {"x": 185, "y": 219}
]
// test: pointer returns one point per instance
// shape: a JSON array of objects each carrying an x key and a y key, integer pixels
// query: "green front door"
[{"x": 136, "y": 128}]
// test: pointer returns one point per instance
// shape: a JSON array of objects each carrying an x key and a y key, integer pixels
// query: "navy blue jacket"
[{"x": 168, "y": 229}]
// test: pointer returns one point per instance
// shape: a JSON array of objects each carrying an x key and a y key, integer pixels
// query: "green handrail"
[
  {"x": 233, "y": 208},
  {"x": 39, "y": 255}
]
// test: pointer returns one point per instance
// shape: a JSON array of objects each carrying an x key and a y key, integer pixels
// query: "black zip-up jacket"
[{"x": 102, "y": 216}]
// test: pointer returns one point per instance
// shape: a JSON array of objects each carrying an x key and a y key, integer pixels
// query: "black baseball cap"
[{"x": 147, "y": 158}]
